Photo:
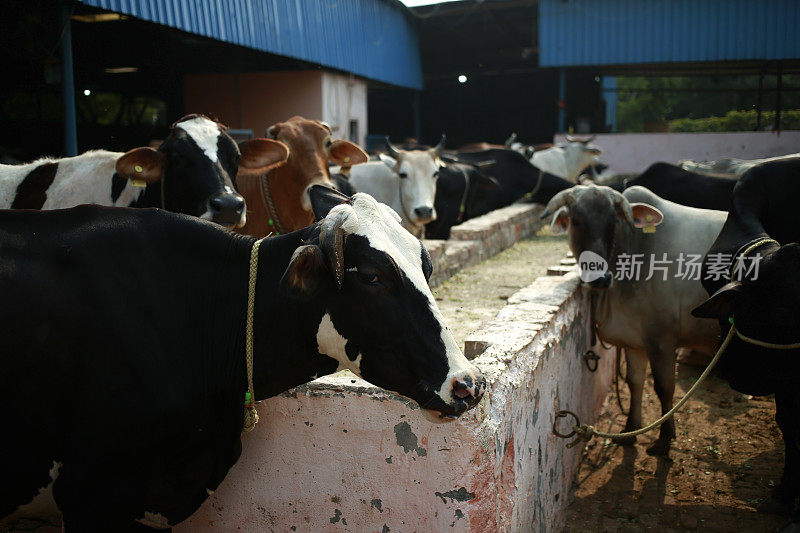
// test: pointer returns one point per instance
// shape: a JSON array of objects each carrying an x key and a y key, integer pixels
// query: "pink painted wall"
[{"x": 634, "y": 152}]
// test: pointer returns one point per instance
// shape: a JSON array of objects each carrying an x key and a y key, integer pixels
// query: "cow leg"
[
  {"x": 637, "y": 370},
  {"x": 662, "y": 363},
  {"x": 784, "y": 497}
]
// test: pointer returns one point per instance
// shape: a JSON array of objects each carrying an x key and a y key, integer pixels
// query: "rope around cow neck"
[
  {"x": 529, "y": 195},
  {"x": 250, "y": 413},
  {"x": 462, "y": 207},
  {"x": 272, "y": 217}
]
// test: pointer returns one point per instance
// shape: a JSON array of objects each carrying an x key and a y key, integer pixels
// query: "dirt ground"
[
  {"x": 725, "y": 460},
  {"x": 477, "y": 293}
]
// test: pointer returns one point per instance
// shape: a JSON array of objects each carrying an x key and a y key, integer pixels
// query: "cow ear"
[
  {"x": 323, "y": 199},
  {"x": 261, "y": 155},
  {"x": 720, "y": 304},
  {"x": 646, "y": 215},
  {"x": 388, "y": 160},
  {"x": 347, "y": 154},
  {"x": 305, "y": 273},
  {"x": 560, "y": 223},
  {"x": 142, "y": 163}
]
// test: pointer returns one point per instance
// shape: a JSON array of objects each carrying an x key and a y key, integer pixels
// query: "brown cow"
[{"x": 278, "y": 202}]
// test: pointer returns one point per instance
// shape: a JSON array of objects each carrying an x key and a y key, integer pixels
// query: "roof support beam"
[{"x": 68, "y": 82}]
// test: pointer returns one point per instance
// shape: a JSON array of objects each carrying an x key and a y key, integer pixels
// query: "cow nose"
[
  {"x": 226, "y": 204},
  {"x": 423, "y": 213},
  {"x": 467, "y": 389},
  {"x": 604, "y": 282}
]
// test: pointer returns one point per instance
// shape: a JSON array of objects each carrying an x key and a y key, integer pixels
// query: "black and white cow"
[
  {"x": 196, "y": 166},
  {"x": 122, "y": 346},
  {"x": 766, "y": 306}
]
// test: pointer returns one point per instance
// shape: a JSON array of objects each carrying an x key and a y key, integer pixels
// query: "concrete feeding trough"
[{"x": 338, "y": 454}]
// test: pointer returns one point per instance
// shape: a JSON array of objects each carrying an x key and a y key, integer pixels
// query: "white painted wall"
[
  {"x": 634, "y": 152},
  {"x": 344, "y": 98}
]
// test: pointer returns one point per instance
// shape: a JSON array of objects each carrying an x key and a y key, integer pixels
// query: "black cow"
[
  {"x": 514, "y": 178},
  {"x": 341, "y": 183},
  {"x": 192, "y": 172},
  {"x": 122, "y": 346},
  {"x": 766, "y": 306},
  {"x": 683, "y": 187}
]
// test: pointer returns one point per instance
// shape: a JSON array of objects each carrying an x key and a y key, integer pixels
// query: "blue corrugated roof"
[
  {"x": 370, "y": 38},
  {"x": 613, "y": 32}
]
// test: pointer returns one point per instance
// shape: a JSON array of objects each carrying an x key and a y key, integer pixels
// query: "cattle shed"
[
  {"x": 116, "y": 73},
  {"x": 541, "y": 66}
]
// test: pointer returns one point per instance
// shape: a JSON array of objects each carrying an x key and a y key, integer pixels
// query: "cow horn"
[
  {"x": 511, "y": 139},
  {"x": 621, "y": 205},
  {"x": 439, "y": 147},
  {"x": 565, "y": 197},
  {"x": 331, "y": 240},
  {"x": 393, "y": 151}
]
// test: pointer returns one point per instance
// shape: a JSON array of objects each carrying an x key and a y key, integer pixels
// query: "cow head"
[
  {"x": 196, "y": 166},
  {"x": 381, "y": 320},
  {"x": 589, "y": 214},
  {"x": 312, "y": 151},
  {"x": 418, "y": 171},
  {"x": 579, "y": 154},
  {"x": 765, "y": 306}
]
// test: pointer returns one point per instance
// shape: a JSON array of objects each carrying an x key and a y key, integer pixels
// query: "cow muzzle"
[
  {"x": 226, "y": 209},
  {"x": 462, "y": 392},
  {"x": 423, "y": 215},
  {"x": 603, "y": 282}
]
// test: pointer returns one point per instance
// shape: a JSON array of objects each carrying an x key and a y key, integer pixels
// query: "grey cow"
[{"x": 650, "y": 318}]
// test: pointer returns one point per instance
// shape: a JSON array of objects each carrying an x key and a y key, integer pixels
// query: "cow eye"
[
  {"x": 369, "y": 278},
  {"x": 403, "y": 175},
  {"x": 328, "y": 143}
]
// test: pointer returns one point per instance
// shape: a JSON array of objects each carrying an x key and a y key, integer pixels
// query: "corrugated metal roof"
[
  {"x": 370, "y": 38},
  {"x": 614, "y": 32}
]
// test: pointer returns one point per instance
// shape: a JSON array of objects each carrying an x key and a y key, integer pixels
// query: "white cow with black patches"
[
  {"x": 373, "y": 229},
  {"x": 192, "y": 172}
]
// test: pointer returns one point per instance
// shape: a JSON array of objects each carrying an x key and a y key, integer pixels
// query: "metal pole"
[
  {"x": 758, "y": 100},
  {"x": 417, "y": 115},
  {"x": 778, "y": 97},
  {"x": 562, "y": 94},
  {"x": 68, "y": 82}
]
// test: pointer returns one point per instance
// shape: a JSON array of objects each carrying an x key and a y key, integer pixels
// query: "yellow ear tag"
[
  {"x": 139, "y": 183},
  {"x": 650, "y": 228},
  {"x": 347, "y": 159},
  {"x": 138, "y": 168}
]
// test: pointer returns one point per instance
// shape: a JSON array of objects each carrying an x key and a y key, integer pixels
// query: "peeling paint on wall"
[
  {"x": 460, "y": 495},
  {"x": 407, "y": 439}
]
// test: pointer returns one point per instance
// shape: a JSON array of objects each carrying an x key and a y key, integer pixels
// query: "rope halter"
[{"x": 250, "y": 413}]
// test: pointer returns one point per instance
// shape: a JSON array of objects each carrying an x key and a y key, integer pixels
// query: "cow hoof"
[
  {"x": 660, "y": 448},
  {"x": 776, "y": 506},
  {"x": 625, "y": 441}
]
